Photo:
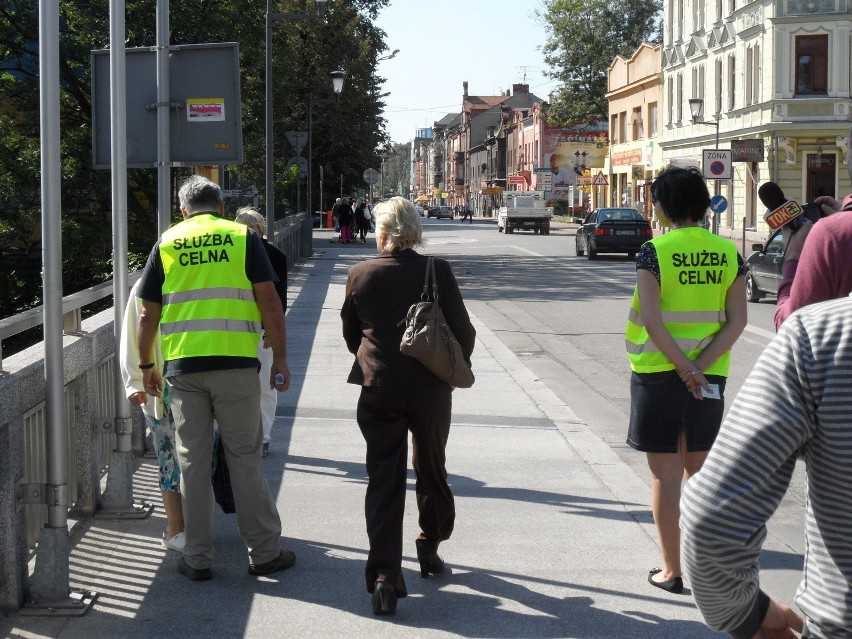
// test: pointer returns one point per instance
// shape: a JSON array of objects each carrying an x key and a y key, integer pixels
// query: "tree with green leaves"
[
  {"x": 347, "y": 130},
  {"x": 584, "y": 37}
]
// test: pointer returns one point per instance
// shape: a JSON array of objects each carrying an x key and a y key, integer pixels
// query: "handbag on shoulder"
[{"x": 428, "y": 338}]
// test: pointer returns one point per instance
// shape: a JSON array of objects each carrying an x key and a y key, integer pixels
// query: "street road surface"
[{"x": 564, "y": 317}]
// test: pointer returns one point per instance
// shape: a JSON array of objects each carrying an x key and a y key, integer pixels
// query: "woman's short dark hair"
[{"x": 682, "y": 193}]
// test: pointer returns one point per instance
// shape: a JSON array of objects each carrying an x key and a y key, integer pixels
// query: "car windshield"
[{"x": 618, "y": 214}]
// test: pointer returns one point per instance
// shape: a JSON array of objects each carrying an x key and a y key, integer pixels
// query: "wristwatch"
[{"x": 145, "y": 367}]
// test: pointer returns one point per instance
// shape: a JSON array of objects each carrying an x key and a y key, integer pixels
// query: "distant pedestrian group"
[{"x": 353, "y": 223}]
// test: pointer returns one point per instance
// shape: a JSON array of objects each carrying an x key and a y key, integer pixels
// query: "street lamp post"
[
  {"x": 337, "y": 79},
  {"x": 490, "y": 177},
  {"x": 382, "y": 182},
  {"x": 389, "y": 56},
  {"x": 696, "y": 106},
  {"x": 271, "y": 17}
]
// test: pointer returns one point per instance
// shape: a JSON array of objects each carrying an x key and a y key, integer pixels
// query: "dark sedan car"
[
  {"x": 764, "y": 267},
  {"x": 440, "y": 211},
  {"x": 612, "y": 230}
]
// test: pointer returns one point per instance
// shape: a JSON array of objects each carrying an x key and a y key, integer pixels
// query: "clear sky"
[{"x": 490, "y": 43}]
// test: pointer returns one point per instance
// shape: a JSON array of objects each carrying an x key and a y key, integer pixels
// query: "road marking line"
[
  {"x": 523, "y": 250},
  {"x": 759, "y": 331}
]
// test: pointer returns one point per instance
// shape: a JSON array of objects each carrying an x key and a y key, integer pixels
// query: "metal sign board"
[
  {"x": 297, "y": 139},
  {"x": 717, "y": 164},
  {"x": 371, "y": 176},
  {"x": 205, "y": 116},
  {"x": 747, "y": 150}
]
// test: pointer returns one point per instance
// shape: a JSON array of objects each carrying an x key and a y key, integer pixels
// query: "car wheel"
[
  {"x": 591, "y": 253},
  {"x": 578, "y": 248},
  {"x": 753, "y": 294}
]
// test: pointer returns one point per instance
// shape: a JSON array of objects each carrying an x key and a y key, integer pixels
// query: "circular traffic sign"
[
  {"x": 717, "y": 167},
  {"x": 718, "y": 203},
  {"x": 302, "y": 163},
  {"x": 371, "y": 176}
]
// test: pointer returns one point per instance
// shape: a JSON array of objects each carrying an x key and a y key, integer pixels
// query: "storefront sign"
[
  {"x": 822, "y": 161},
  {"x": 747, "y": 150},
  {"x": 517, "y": 179},
  {"x": 623, "y": 158}
]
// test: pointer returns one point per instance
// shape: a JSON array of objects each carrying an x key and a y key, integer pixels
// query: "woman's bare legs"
[
  {"x": 668, "y": 470},
  {"x": 174, "y": 513}
]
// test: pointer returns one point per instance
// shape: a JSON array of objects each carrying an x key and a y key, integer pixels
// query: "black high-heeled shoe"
[
  {"x": 384, "y": 598},
  {"x": 430, "y": 561}
]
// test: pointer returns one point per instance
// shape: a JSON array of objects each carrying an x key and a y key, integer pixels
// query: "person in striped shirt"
[{"x": 795, "y": 404}]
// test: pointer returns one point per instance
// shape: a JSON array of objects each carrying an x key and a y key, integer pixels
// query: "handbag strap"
[{"x": 430, "y": 283}]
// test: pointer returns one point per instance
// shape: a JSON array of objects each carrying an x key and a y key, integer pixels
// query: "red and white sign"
[
  {"x": 717, "y": 164},
  {"x": 600, "y": 180},
  {"x": 517, "y": 179},
  {"x": 787, "y": 212}
]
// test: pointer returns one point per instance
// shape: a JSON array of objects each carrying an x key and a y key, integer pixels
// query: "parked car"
[
  {"x": 612, "y": 230},
  {"x": 440, "y": 211},
  {"x": 420, "y": 210},
  {"x": 764, "y": 267}
]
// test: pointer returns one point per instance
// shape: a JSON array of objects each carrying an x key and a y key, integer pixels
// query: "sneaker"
[
  {"x": 265, "y": 452},
  {"x": 284, "y": 560},
  {"x": 196, "y": 574},
  {"x": 176, "y": 543}
]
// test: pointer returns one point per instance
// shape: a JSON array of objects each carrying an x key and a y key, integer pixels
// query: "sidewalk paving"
[{"x": 553, "y": 535}]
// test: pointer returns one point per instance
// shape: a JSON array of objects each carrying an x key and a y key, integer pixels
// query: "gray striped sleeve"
[{"x": 796, "y": 402}]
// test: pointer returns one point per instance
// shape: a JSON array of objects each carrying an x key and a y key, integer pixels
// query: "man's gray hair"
[{"x": 200, "y": 194}]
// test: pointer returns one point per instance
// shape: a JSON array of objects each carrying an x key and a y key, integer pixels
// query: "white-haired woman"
[
  {"x": 398, "y": 395},
  {"x": 250, "y": 216}
]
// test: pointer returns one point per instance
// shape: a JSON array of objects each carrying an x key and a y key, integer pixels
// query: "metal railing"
[{"x": 89, "y": 412}]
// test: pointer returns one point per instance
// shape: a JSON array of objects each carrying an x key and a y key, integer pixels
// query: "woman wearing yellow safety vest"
[{"x": 688, "y": 309}]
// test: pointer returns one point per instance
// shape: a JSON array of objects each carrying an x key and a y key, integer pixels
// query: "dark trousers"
[{"x": 385, "y": 415}]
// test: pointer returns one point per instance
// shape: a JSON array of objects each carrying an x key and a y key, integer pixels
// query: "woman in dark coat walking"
[
  {"x": 398, "y": 395},
  {"x": 344, "y": 218},
  {"x": 362, "y": 222}
]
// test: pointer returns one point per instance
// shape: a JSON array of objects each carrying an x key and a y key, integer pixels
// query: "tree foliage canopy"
[
  {"x": 347, "y": 130},
  {"x": 584, "y": 37}
]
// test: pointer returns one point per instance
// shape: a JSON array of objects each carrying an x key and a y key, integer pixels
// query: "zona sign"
[{"x": 717, "y": 164}]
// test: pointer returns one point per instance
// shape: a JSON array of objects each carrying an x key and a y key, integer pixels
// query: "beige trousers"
[{"x": 232, "y": 398}]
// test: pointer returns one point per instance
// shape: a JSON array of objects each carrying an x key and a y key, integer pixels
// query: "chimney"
[
  {"x": 464, "y": 85},
  {"x": 520, "y": 88}
]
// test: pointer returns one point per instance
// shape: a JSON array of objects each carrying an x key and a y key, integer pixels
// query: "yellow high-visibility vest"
[
  {"x": 696, "y": 270},
  {"x": 209, "y": 307}
]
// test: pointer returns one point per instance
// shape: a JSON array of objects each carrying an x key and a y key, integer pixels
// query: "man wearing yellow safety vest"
[
  {"x": 207, "y": 287},
  {"x": 688, "y": 309}
]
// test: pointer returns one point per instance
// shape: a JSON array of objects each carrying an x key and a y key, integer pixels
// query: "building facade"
[
  {"x": 634, "y": 157},
  {"x": 772, "y": 75}
]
